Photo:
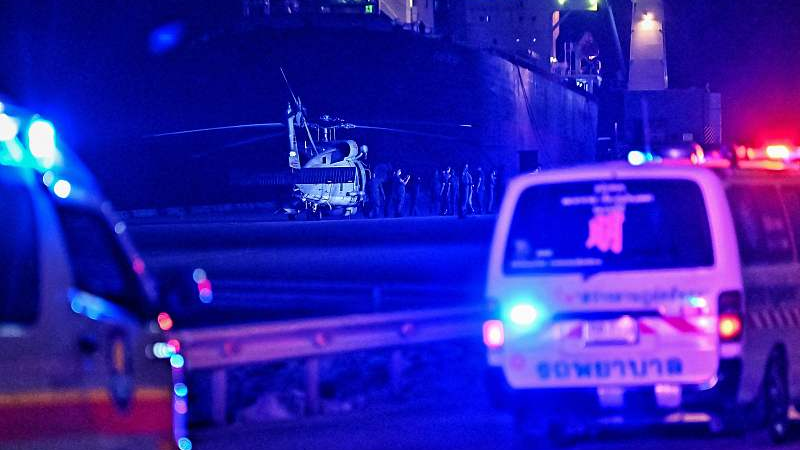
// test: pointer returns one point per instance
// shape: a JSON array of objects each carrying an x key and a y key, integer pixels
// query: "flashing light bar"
[
  {"x": 771, "y": 157},
  {"x": 778, "y": 152}
]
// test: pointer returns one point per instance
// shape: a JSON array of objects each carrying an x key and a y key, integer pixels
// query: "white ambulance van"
[
  {"x": 666, "y": 293},
  {"x": 83, "y": 363}
]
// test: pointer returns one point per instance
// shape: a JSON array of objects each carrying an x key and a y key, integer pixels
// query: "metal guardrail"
[
  {"x": 220, "y": 348},
  {"x": 280, "y": 300}
]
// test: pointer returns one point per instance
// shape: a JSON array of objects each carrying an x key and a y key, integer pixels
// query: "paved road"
[{"x": 421, "y": 427}]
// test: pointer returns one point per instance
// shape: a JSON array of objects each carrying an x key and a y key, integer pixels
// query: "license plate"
[{"x": 623, "y": 330}]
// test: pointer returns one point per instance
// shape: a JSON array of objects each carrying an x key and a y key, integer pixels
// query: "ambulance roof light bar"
[{"x": 771, "y": 157}]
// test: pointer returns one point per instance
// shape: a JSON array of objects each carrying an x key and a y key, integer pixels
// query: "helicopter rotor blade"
[
  {"x": 417, "y": 123},
  {"x": 255, "y": 139},
  {"x": 239, "y": 144},
  {"x": 288, "y": 86},
  {"x": 229, "y": 127},
  {"x": 399, "y": 131}
]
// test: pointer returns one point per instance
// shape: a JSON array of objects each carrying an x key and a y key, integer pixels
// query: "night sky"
[{"x": 746, "y": 49}]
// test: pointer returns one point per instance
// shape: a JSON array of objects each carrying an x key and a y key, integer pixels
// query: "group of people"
[{"x": 445, "y": 193}]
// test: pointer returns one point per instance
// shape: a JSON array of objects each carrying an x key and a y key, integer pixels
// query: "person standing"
[
  {"x": 447, "y": 191},
  {"x": 454, "y": 193},
  {"x": 413, "y": 195},
  {"x": 375, "y": 197},
  {"x": 399, "y": 192},
  {"x": 490, "y": 191},
  {"x": 466, "y": 191},
  {"x": 480, "y": 192},
  {"x": 388, "y": 186},
  {"x": 436, "y": 192}
]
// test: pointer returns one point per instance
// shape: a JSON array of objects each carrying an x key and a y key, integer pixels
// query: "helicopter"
[
  {"x": 328, "y": 175},
  {"x": 334, "y": 176}
]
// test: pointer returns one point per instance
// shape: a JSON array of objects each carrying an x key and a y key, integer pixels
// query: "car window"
[
  {"x": 99, "y": 264},
  {"x": 761, "y": 226},
  {"x": 19, "y": 255},
  {"x": 593, "y": 226},
  {"x": 791, "y": 198}
]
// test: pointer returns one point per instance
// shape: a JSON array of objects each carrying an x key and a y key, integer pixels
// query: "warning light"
[
  {"x": 62, "y": 188},
  {"x": 180, "y": 389},
  {"x": 176, "y": 361},
  {"x": 42, "y": 142},
  {"x": 175, "y": 344},
  {"x": 164, "y": 321},
  {"x": 730, "y": 326},
  {"x": 138, "y": 265},
  {"x": 648, "y": 22},
  {"x": 524, "y": 314},
  {"x": 778, "y": 152},
  {"x": 9, "y": 127},
  {"x": 636, "y": 158},
  {"x": 204, "y": 290},
  {"x": 162, "y": 350},
  {"x": 493, "y": 333},
  {"x": 698, "y": 302},
  {"x": 184, "y": 444}
]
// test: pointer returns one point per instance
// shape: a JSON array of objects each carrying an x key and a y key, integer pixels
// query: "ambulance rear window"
[
  {"x": 597, "y": 226},
  {"x": 19, "y": 254}
]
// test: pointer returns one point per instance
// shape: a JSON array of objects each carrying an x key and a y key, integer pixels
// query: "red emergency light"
[
  {"x": 164, "y": 321},
  {"x": 730, "y": 326},
  {"x": 730, "y": 316},
  {"x": 493, "y": 333}
]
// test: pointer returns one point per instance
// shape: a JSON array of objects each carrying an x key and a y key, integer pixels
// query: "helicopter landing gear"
[{"x": 313, "y": 211}]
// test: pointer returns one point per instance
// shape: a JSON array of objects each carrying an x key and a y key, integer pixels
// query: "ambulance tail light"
[
  {"x": 493, "y": 334},
  {"x": 730, "y": 327},
  {"x": 731, "y": 323}
]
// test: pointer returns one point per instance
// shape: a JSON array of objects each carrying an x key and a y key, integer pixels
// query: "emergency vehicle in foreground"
[
  {"x": 84, "y": 363},
  {"x": 665, "y": 292}
]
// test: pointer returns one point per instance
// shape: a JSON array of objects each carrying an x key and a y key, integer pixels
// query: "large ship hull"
[{"x": 517, "y": 118}]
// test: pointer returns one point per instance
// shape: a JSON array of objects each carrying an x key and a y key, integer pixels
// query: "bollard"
[
  {"x": 312, "y": 386},
  {"x": 219, "y": 396}
]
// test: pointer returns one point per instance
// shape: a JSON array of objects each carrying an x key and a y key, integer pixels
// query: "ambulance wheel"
[{"x": 776, "y": 398}]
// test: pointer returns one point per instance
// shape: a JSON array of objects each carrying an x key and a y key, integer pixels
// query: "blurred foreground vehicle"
[
  {"x": 84, "y": 363},
  {"x": 663, "y": 293}
]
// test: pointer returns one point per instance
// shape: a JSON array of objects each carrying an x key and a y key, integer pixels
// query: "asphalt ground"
[{"x": 427, "y": 425}]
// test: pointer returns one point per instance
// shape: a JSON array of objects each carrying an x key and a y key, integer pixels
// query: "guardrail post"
[
  {"x": 312, "y": 386},
  {"x": 219, "y": 396}
]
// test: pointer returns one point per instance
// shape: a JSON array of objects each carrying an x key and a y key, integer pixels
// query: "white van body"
[
  {"x": 76, "y": 329},
  {"x": 627, "y": 275}
]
